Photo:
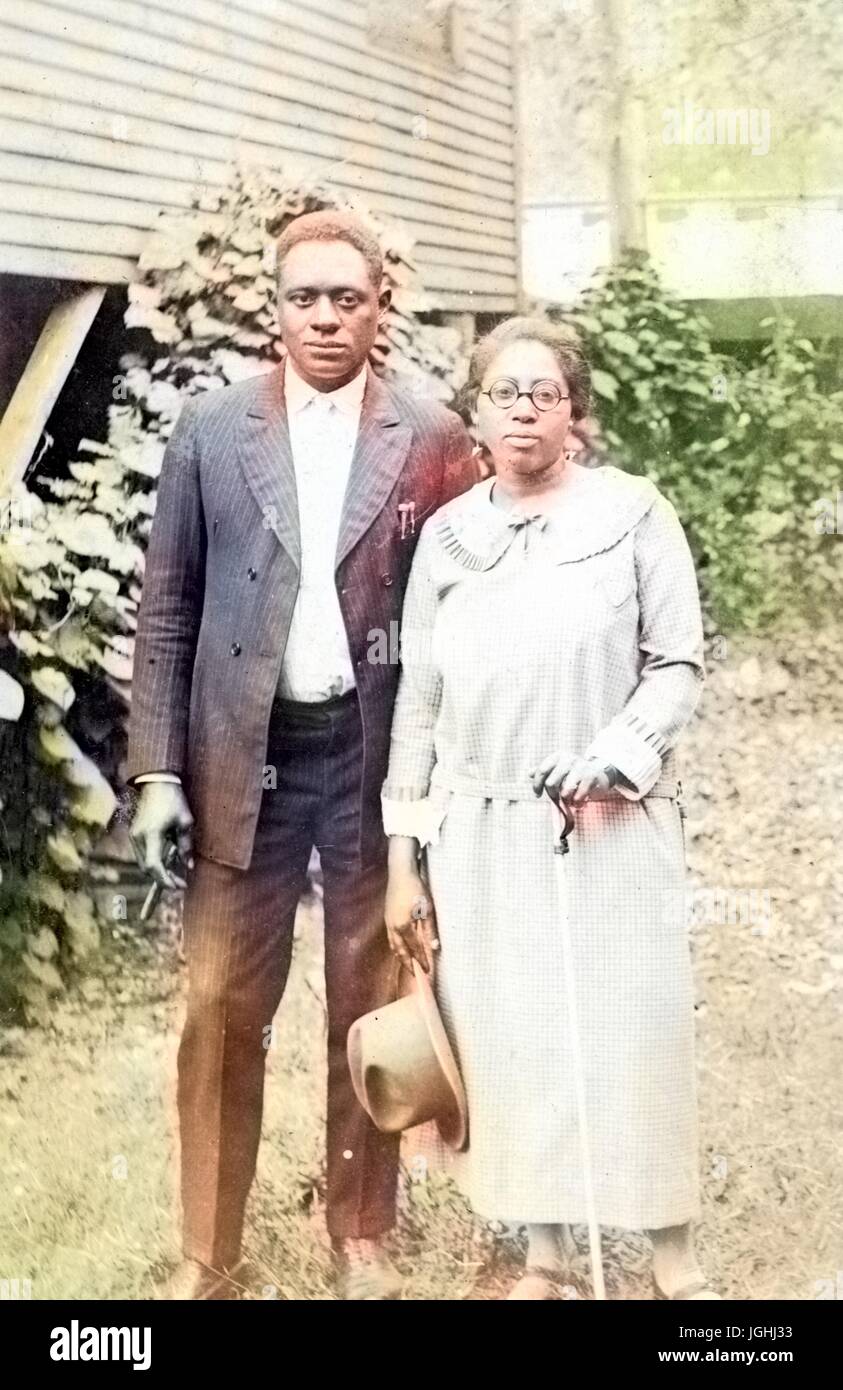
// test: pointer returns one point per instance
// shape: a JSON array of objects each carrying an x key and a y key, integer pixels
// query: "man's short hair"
[{"x": 331, "y": 225}]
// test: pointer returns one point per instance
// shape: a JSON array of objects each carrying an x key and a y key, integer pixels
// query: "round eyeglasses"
[{"x": 545, "y": 395}]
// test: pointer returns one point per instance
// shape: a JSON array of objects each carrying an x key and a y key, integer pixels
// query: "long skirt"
[{"x": 501, "y": 988}]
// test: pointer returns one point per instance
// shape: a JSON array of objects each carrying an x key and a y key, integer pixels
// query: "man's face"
[{"x": 328, "y": 310}]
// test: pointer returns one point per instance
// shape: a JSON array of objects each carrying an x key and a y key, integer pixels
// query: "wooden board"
[{"x": 44, "y": 376}]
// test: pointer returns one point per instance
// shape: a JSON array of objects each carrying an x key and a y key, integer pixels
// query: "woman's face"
[{"x": 521, "y": 438}]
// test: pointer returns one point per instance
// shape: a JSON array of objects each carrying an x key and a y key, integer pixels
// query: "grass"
[{"x": 88, "y": 1206}]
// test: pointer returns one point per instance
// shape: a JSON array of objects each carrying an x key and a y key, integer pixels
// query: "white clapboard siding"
[
  {"x": 200, "y": 150},
  {"x": 20, "y": 136},
  {"x": 315, "y": 40},
  {"x": 256, "y": 66},
  {"x": 27, "y": 78},
  {"x": 152, "y": 191},
  {"x": 45, "y": 177},
  {"x": 269, "y": 91},
  {"x": 67, "y": 265},
  {"x": 66, "y": 235},
  {"x": 112, "y": 114}
]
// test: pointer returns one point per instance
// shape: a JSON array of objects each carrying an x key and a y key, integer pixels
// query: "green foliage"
[
  {"x": 61, "y": 661},
  {"x": 206, "y": 290},
  {"x": 751, "y": 457}
]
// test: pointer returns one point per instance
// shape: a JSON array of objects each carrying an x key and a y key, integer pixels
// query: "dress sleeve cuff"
[
  {"x": 420, "y": 820},
  {"x": 632, "y": 754}
]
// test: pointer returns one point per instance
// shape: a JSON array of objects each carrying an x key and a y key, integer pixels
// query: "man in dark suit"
[{"x": 288, "y": 510}]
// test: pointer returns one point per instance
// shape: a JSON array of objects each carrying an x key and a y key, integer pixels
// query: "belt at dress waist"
[{"x": 442, "y": 779}]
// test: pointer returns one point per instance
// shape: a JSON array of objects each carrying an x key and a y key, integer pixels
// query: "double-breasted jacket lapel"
[
  {"x": 379, "y": 455},
  {"x": 266, "y": 457}
]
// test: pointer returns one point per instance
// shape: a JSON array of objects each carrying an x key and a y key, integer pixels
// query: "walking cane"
[{"x": 564, "y": 819}]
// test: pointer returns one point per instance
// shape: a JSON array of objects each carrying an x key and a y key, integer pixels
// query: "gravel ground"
[{"x": 87, "y": 1124}]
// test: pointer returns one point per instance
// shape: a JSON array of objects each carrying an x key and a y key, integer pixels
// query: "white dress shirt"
[{"x": 323, "y": 432}]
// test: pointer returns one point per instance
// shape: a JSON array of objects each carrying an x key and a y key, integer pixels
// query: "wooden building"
[{"x": 110, "y": 114}]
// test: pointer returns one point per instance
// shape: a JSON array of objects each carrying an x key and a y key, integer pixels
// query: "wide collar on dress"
[{"x": 605, "y": 504}]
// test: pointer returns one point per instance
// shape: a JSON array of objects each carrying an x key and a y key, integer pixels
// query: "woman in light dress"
[{"x": 552, "y": 639}]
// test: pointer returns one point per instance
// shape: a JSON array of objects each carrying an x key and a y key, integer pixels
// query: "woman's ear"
[{"x": 482, "y": 460}]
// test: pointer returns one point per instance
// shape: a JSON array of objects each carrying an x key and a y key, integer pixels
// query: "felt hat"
[{"x": 403, "y": 1067}]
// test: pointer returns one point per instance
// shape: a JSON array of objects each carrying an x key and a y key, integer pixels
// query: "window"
[{"x": 432, "y": 30}]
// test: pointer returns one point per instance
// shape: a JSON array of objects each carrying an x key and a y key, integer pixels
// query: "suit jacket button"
[
  {"x": 253, "y": 574},
  {"x": 236, "y": 649},
  {"x": 386, "y": 580}
]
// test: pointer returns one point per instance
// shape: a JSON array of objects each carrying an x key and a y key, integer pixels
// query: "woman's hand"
[
  {"x": 410, "y": 923},
  {"x": 574, "y": 780}
]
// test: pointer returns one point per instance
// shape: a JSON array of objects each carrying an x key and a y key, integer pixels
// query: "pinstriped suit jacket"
[{"x": 222, "y": 574}]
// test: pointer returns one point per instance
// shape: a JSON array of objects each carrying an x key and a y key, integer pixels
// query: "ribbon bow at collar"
[{"x": 517, "y": 519}]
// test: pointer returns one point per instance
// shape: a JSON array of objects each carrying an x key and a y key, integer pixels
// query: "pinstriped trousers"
[{"x": 238, "y": 934}]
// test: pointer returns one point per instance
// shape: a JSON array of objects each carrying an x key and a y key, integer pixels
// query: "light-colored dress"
[{"x": 576, "y": 631}]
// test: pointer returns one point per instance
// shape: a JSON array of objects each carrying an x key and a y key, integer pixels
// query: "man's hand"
[
  {"x": 410, "y": 923},
  {"x": 574, "y": 780},
  {"x": 162, "y": 814}
]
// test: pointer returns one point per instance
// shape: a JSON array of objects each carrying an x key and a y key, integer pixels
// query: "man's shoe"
[
  {"x": 194, "y": 1281},
  {"x": 365, "y": 1271}
]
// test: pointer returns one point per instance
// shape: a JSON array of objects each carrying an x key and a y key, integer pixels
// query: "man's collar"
[{"x": 298, "y": 393}]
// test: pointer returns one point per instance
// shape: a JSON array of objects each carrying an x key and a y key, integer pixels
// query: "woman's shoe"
[
  {"x": 695, "y": 1287},
  {"x": 535, "y": 1286}
]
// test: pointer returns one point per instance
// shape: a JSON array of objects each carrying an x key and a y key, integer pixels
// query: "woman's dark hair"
[{"x": 563, "y": 343}]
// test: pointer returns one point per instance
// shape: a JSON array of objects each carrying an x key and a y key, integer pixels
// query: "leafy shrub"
[
  {"x": 67, "y": 621},
  {"x": 746, "y": 455}
]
